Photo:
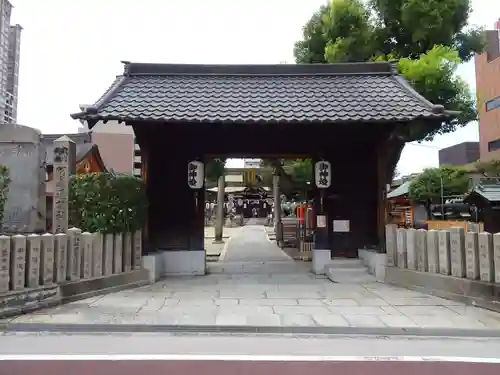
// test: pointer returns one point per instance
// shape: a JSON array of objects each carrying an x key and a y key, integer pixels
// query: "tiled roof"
[
  {"x": 488, "y": 189},
  {"x": 400, "y": 190},
  {"x": 360, "y": 92}
]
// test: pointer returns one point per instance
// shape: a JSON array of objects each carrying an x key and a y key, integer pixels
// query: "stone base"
[
  {"x": 175, "y": 263},
  {"x": 320, "y": 259},
  {"x": 184, "y": 263},
  {"x": 472, "y": 292},
  {"x": 28, "y": 300},
  {"x": 375, "y": 263},
  {"x": 81, "y": 289}
]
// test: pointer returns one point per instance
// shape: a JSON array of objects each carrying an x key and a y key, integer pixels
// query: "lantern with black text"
[
  {"x": 323, "y": 174},
  {"x": 195, "y": 174}
]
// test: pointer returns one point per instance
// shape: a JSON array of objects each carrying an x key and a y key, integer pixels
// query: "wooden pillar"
[
  {"x": 219, "y": 215},
  {"x": 277, "y": 209}
]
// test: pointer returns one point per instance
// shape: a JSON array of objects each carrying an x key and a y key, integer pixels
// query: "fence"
[
  {"x": 471, "y": 255},
  {"x": 33, "y": 261}
]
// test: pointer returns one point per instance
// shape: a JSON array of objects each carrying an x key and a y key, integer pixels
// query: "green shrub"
[
  {"x": 4, "y": 188},
  {"x": 107, "y": 202}
]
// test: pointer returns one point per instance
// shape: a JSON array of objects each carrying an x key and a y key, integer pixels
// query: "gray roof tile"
[{"x": 361, "y": 92}]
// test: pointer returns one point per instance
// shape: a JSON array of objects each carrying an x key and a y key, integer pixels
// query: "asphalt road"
[{"x": 245, "y": 344}]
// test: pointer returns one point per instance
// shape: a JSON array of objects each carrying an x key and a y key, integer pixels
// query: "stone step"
[
  {"x": 358, "y": 275},
  {"x": 345, "y": 263}
]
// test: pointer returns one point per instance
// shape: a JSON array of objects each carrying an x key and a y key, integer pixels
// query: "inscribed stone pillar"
[
  {"x": 32, "y": 260},
  {"x": 486, "y": 267},
  {"x": 433, "y": 250},
  {"x": 444, "y": 252},
  {"x": 219, "y": 214},
  {"x": 64, "y": 167},
  {"x": 97, "y": 250},
  {"x": 457, "y": 252},
  {"x": 411, "y": 248},
  {"x": 401, "y": 248},
  {"x": 61, "y": 257},
  {"x": 4, "y": 263},
  {"x": 422, "y": 256},
  {"x": 472, "y": 255},
  {"x": 137, "y": 250},
  {"x": 118, "y": 253},
  {"x": 86, "y": 247},
  {"x": 107, "y": 260},
  {"x": 127, "y": 252},
  {"x": 391, "y": 244},
  {"x": 74, "y": 254},
  {"x": 496, "y": 256},
  {"x": 47, "y": 259},
  {"x": 17, "y": 262}
]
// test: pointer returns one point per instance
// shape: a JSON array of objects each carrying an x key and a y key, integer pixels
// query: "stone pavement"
[{"x": 272, "y": 290}]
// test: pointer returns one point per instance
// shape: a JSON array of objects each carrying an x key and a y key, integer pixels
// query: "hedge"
[{"x": 107, "y": 202}]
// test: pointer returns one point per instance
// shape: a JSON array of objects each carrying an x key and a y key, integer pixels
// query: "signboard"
[
  {"x": 341, "y": 226},
  {"x": 321, "y": 221}
]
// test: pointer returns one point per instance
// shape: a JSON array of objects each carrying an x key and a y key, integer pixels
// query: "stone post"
[
  {"x": 47, "y": 259},
  {"x": 433, "y": 250},
  {"x": 86, "y": 248},
  {"x": 457, "y": 252},
  {"x": 32, "y": 260},
  {"x": 17, "y": 262},
  {"x": 74, "y": 254},
  {"x": 411, "y": 248},
  {"x": 219, "y": 215},
  {"x": 444, "y": 252},
  {"x": 97, "y": 251},
  {"x": 127, "y": 252},
  {"x": 277, "y": 208},
  {"x": 4, "y": 263},
  {"x": 471, "y": 255},
  {"x": 137, "y": 250},
  {"x": 486, "y": 266},
  {"x": 64, "y": 167},
  {"x": 422, "y": 255},
  {"x": 61, "y": 257},
  {"x": 496, "y": 256},
  {"x": 107, "y": 255},
  {"x": 118, "y": 253},
  {"x": 391, "y": 244},
  {"x": 402, "y": 257}
]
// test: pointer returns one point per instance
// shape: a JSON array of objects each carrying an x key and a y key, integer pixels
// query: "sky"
[{"x": 71, "y": 50}]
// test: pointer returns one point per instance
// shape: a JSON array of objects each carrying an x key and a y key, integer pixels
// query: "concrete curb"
[{"x": 152, "y": 328}]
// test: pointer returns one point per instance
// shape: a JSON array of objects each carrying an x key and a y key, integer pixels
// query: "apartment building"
[
  {"x": 10, "y": 45},
  {"x": 488, "y": 95},
  {"x": 117, "y": 146},
  {"x": 459, "y": 154}
]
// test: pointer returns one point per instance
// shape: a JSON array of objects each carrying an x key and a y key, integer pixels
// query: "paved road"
[
  {"x": 258, "y": 345},
  {"x": 250, "y": 244}
]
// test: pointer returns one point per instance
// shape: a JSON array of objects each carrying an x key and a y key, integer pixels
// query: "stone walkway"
[{"x": 275, "y": 292}]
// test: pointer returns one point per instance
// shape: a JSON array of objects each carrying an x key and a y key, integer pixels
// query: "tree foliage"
[
  {"x": 429, "y": 38},
  {"x": 489, "y": 168},
  {"x": 214, "y": 168},
  {"x": 426, "y": 187}
]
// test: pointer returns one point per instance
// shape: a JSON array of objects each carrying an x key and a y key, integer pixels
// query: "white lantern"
[
  {"x": 196, "y": 174},
  {"x": 323, "y": 174}
]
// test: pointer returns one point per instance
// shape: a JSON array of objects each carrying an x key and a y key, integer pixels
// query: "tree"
[
  {"x": 213, "y": 169},
  {"x": 489, "y": 168},
  {"x": 428, "y": 37},
  {"x": 434, "y": 183}
]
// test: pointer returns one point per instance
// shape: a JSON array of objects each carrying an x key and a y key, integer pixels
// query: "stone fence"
[
  {"x": 464, "y": 263},
  {"x": 36, "y": 262}
]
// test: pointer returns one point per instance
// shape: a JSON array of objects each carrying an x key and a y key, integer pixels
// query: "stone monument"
[
  {"x": 64, "y": 167},
  {"x": 22, "y": 153}
]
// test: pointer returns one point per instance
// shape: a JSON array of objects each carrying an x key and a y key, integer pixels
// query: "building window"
[
  {"x": 494, "y": 145},
  {"x": 492, "y": 104}
]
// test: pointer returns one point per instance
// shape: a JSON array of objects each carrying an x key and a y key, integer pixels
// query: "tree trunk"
[{"x": 219, "y": 219}]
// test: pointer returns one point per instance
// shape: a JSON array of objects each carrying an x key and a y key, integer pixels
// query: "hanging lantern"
[
  {"x": 196, "y": 174},
  {"x": 323, "y": 174}
]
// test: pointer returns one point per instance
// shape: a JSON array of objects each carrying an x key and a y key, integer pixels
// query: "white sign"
[
  {"x": 323, "y": 174},
  {"x": 196, "y": 175},
  {"x": 321, "y": 221},
  {"x": 341, "y": 226}
]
